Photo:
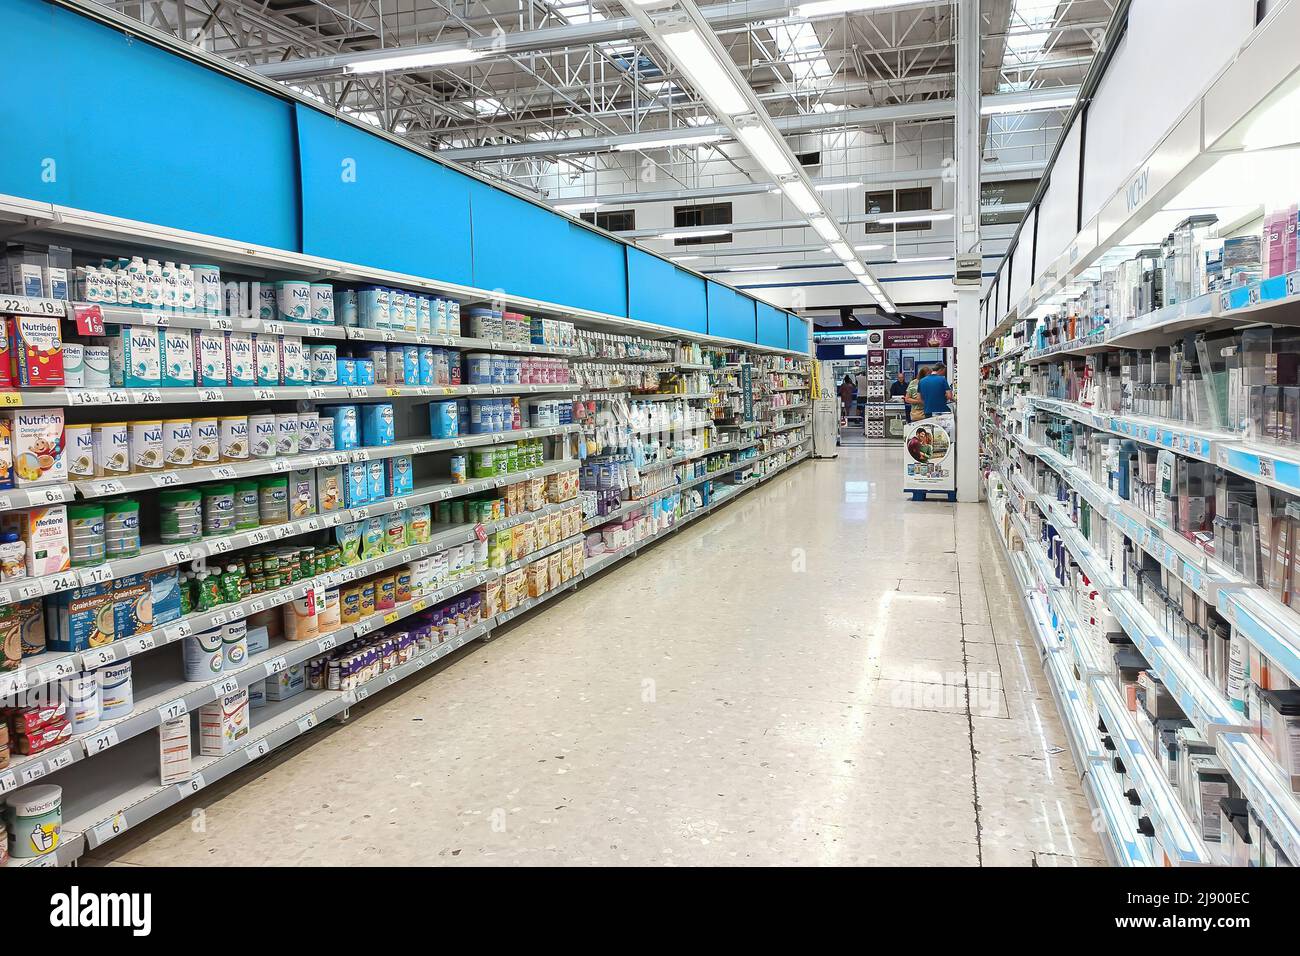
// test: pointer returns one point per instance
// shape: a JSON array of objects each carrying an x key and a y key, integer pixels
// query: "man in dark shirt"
[
  {"x": 899, "y": 387},
  {"x": 935, "y": 392}
]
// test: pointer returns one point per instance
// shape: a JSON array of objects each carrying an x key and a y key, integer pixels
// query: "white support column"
[{"x": 967, "y": 336}]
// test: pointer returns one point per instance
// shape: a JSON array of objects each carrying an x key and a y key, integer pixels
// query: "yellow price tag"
[
  {"x": 11, "y": 399},
  {"x": 394, "y": 392},
  {"x": 419, "y": 605},
  {"x": 390, "y": 617},
  {"x": 449, "y": 391}
]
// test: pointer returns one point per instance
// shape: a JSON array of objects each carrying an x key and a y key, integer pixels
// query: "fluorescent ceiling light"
[
  {"x": 708, "y": 75},
  {"x": 688, "y": 139},
  {"x": 827, "y": 8},
  {"x": 765, "y": 148},
  {"x": 826, "y": 229},
  {"x": 1027, "y": 106},
  {"x": 842, "y": 250},
  {"x": 857, "y": 268},
  {"x": 688, "y": 234},
  {"x": 835, "y": 187},
  {"x": 871, "y": 247},
  {"x": 924, "y": 259},
  {"x": 576, "y": 206},
  {"x": 410, "y": 61},
  {"x": 928, "y": 217},
  {"x": 684, "y": 258},
  {"x": 801, "y": 196},
  {"x": 752, "y": 268}
]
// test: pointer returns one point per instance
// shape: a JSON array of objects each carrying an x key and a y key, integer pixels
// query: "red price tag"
[
  {"x": 480, "y": 532},
  {"x": 90, "y": 319}
]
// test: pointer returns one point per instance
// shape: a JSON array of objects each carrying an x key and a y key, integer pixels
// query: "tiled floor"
[{"x": 820, "y": 673}]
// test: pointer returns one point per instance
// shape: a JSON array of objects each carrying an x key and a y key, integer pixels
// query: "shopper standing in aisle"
[
  {"x": 899, "y": 387},
  {"x": 935, "y": 392},
  {"x": 915, "y": 404},
  {"x": 862, "y": 387},
  {"x": 847, "y": 390}
]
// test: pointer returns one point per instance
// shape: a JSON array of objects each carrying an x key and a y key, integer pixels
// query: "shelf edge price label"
[
  {"x": 110, "y": 828},
  {"x": 225, "y": 688},
  {"x": 306, "y": 723},
  {"x": 142, "y": 644},
  {"x": 257, "y": 606},
  {"x": 257, "y": 749},
  {"x": 316, "y": 331},
  {"x": 264, "y": 394},
  {"x": 276, "y": 666},
  {"x": 219, "y": 545},
  {"x": 61, "y": 759},
  {"x": 212, "y": 395},
  {"x": 192, "y": 785},
  {"x": 97, "y": 575},
  {"x": 7, "y": 781},
  {"x": 99, "y": 656},
  {"x": 224, "y": 472},
  {"x": 98, "y": 743},
  {"x": 176, "y": 708},
  {"x": 317, "y": 393},
  {"x": 392, "y": 679},
  {"x": 326, "y": 644}
]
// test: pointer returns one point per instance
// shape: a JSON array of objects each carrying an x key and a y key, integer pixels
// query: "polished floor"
[{"x": 820, "y": 673}]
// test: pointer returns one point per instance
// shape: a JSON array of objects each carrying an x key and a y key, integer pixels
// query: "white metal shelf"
[{"x": 127, "y": 397}]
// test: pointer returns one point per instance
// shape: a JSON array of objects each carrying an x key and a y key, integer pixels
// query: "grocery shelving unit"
[
  {"x": 110, "y": 775},
  {"x": 1119, "y": 577}
]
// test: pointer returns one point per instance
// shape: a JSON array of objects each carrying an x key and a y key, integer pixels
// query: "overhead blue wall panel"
[
  {"x": 797, "y": 332},
  {"x": 369, "y": 201},
  {"x": 772, "y": 328},
  {"x": 660, "y": 292},
  {"x": 100, "y": 121},
  {"x": 731, "y": 314},
  {"x": 529, "y": 251}
]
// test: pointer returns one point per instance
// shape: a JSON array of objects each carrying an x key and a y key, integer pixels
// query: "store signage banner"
[{"x": 937, "y": 338}]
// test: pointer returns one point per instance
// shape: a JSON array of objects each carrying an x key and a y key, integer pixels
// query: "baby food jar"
[
  {"x": 180, "y": 515},
  {"x": 86, "y": 534},
  {"x": 121, "y": 528}
]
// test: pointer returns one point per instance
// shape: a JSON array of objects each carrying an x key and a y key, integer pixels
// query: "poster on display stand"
[{"x": 930, "y": 457}]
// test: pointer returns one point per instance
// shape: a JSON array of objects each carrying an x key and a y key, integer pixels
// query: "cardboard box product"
[
  {"x": 223, "y": 724},
  {"x": 36, "y": 351},
  {"x": 37, "y": 446},
  {"x": 44, "y": 532},
  {"x": 174, "y": 750}
]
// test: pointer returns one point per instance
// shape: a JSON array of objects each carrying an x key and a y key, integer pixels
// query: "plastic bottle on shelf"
[
  {"x": 139, "y": 283},
  {"x": 153, "y": 284}
]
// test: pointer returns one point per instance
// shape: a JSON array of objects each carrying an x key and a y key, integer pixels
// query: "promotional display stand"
[{"x": 930, "y": 457}]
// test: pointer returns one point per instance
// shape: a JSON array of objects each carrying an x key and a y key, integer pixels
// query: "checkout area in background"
[{"x": 881, "y": 365}]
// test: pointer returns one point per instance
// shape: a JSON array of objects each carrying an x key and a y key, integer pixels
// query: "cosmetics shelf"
[
  {"x": 1009, "y": 354},
  {"x": 1202, "y": 703},
  {"x": 660, "y": 397},
  {"x": 786, "y": 428}
]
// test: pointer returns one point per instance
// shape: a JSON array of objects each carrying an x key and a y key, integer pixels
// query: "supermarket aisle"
[{"x": 784, "y": 682}]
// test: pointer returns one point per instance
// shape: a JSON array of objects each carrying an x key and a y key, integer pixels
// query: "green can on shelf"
[
  {"x": 483, "y": 463},
  {"x": 35, "y": 820},
  {"x": 180, "y": 516}
]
